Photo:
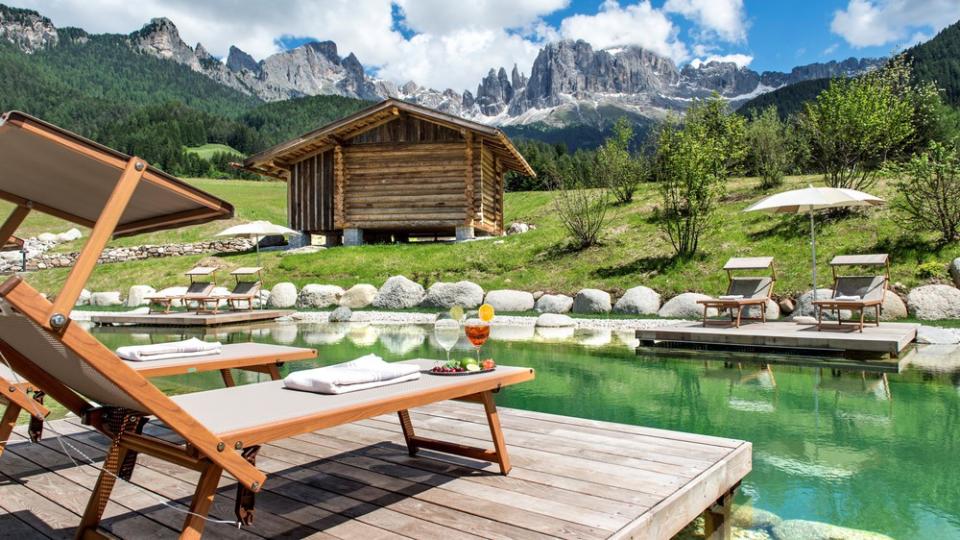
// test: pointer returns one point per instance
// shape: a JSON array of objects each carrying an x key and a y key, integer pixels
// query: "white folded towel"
[
  {"x": 365, "y": 372},
  {"x": 731, "y": 297},
  {"x": 846, "y": 298},
  {"x": 174, "y": 349}
]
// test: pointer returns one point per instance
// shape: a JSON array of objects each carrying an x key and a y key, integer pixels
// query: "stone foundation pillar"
[
  {"x": 353, "y": 237},
  {"x": 465, "y": 232}
]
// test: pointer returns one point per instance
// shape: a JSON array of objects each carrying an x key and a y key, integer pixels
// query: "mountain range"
[{"x": 570, "y": 82}]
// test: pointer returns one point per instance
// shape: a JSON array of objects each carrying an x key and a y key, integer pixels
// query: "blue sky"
[{"x": 453, "y": 43}]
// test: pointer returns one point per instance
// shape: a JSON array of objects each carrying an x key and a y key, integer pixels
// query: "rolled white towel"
[
  {"x": 368, "y": 371},
  {"x": 173, "y": 349},
  {"x": 730, "y": 297},
  {"x": 847, "y": 298}
]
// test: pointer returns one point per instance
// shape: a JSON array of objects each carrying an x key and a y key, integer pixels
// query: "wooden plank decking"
[
  {"x": 572, "y": 478},
  {"x": 189, "y": 318},
  {"x": 887, "y": 340}
]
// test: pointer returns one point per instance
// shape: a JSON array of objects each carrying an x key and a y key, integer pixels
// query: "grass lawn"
[
  {"x": 207, "y": 151},
  {"x": 634, "y": 251}
]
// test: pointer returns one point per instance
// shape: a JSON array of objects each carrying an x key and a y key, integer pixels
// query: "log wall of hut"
[{"x": 310, "y": 194}]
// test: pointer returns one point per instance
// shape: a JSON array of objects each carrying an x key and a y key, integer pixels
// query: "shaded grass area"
[{"x": 633, "y": 250}]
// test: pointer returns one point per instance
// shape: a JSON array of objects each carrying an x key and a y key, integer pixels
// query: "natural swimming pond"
[{"x": 860, "y": 450}]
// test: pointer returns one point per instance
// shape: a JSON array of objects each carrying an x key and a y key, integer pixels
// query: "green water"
[{"x": 859, "y": 450}]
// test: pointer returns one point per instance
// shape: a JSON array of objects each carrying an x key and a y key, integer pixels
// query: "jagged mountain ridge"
[{"x": 570, "y": 82}]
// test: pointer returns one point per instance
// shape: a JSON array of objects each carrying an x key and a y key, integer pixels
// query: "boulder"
[
  {"x": 518, "y": 227},
  {"x": 934, "y": 302},
  {"x": 111, "y": 298},
  {"x": 84, "y": 298},
  {"x": 591, "y": 301},
  {"x": 319, "y": 296},
  {"x": 283, "y": 295},
  {"x": 398, "y": 293},
  {"x": 638, "y": 301},
  {"x": 70, "y": 235},
  {"x": 341, "y": 314},
  {"x": 786, "y": 306},
  {"x": 47, "y": 237},
  {"x": 746, "y": 516},
  {"x": 800, "y": 529},
  {"x": 773, "y": 311},
  {"x": 893, "y": 307},
  {"x": 955, "y": 271},
  {"x": 555, "y": 320},
  {"x": 805, "y": 306},
  {"x": 137, "y": 295},
  {"x": 446, "y": 295},
  {"x": 554, "y": 303},
  {"x": 262, "y": 299},
  {"x": 359, "y": 296},
  {"x": 510, "y": 300},
  {"x": 537, "y": 294},
  {"x": 933, "y": 335},
  {"x": 685, "y": 306}
]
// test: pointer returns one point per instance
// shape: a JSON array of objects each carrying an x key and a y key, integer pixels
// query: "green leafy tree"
[
  {"x": 768, "y": 150},
  {"x": 928, "y": 191},
  {"x": 690, "y": 167},
  {"x": 718, "y": 122},
  {"x": 616, "y": 168},
  {"x": 581, "y": 207},
  {"x": 857, "y": 124}
]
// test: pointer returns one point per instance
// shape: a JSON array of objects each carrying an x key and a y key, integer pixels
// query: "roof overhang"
[
  {"x": 51, "y": 170},
  {"x": 276, "y": 161}
]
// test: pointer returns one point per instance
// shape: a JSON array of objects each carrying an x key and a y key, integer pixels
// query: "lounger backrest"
[
  {"x": 750, "y": 287},
  {"x": 200, "y": 287},
  {"x": 49, "y": 354},
  {"x": 244, "y": 288},
  {"x": 866, "y": 287}
]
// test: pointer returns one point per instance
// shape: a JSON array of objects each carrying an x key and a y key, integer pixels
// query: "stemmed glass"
[
  {"x": 447, "y": 332},
  {"x": 477, "y": 332}
]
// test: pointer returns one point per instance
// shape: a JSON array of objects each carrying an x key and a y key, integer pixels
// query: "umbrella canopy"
[
  {"x": 256, "y": 229},
  {"x": 811, "y": 199}
]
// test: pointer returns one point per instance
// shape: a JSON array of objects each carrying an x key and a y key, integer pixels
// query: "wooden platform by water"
[
  {"x": 889, "y": 340},
  {"x": 572, "y": 478},
  {"x": 188, "y": 318}
]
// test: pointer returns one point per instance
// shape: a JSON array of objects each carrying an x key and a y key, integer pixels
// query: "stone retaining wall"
[{"x": 134, "y": 253}]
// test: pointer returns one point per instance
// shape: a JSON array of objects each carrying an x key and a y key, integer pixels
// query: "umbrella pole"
[{"x": 813, "y": 251}]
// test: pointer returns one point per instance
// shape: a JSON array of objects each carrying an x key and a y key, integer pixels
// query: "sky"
[{"x": 453, "y": 43}]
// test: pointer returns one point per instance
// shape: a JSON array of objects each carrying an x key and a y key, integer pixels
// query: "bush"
[
  {"x": 616, "y": 168},
  {"x": 768, "y": 152},
  {"x": 932, "y": 270},
  {"x": 928, "y": 195},
  {"x": 582, "y": 210}
]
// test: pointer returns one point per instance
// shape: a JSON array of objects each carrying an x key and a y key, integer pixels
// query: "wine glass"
[
  {"x": 447, "y": 332},
  {"x": 477, "y": 332}
]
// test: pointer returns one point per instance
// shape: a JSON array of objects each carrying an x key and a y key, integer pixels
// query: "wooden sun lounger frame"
[
  {"x": 860, "y": 306},
  {"x": 743, "y": 263},
  {"x": 166, "y": 302},
  {"x": 210, "y": 454},
  {"x": 211, "y": 303}
]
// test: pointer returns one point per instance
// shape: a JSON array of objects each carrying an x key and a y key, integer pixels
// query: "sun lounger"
[
  {"x": 18, "y": 397},
  {"x": 201, "y": 285},
  {"x": 242, "y": 295},
  {"x": 856, "y": 293},
  {"x": 744, "y": 292}
]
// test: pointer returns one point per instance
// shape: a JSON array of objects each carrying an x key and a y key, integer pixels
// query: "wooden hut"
[{"x": 394, "y": 170}]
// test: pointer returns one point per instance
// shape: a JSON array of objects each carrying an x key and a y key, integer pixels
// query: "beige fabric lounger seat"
[{"x": 744, "y": 292}]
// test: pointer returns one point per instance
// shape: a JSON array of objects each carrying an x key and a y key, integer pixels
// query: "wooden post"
[
  {"x": 468, "y": 179},
  {"x": 716, "y": 518},
  {"x": 12, "y": 223},
  {"x": 339, "y": 220},
  {"x": 99, "y": 236}
]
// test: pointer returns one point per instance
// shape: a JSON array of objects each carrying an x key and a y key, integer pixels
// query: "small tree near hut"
[{"x": 579, "y": 203}]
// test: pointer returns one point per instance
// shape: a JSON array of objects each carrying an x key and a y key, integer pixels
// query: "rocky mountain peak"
[
  {"x": 160, "y": 38},
  {"x": 327, "y": 49},
  {"x": 237, "y": 60},
  {"x": 26, "y": 29}
]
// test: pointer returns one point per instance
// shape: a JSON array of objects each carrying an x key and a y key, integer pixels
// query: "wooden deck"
[
  {"x": 889, "y": 340},
  {"x": 189, "y": 318},
  {"x": 572, "y": 478}
]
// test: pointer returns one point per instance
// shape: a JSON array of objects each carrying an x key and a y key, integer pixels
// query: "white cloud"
[
  {"x": 638, "y": 24},
  {"x": 866, "y": 23},
  {"x": 741, "y": 60},
  {"x": 723, "y": 18},
  {"x": 438, "y": 17}
]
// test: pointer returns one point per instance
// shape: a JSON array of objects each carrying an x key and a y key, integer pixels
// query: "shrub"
[
  {"x": 932, "y": 270},
  {"x": 616, "y": 168},
  {"x": 928, "y": 191},
  {"x": 582, "y": 210},
  {"x": 768, "y": 152}
]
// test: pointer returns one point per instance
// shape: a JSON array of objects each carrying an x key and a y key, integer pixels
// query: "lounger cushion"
[
  {"x": 750, "y": 287},
  {"x": 256, "y": 405}
]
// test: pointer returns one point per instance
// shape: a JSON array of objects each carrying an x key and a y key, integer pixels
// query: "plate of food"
[{"x": 465, "y": 366}]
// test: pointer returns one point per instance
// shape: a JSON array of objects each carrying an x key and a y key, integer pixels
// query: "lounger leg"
[
  {"x": 877, "y": 320},
  {"x": 101, "y": 492},
  {"x": 704, "y": 315},
  {"x": 863, "y": 312},
  {"x": 739, "y": 314},
  {"x": 7, "y": 423},
  {"x": 227, "y": 377},
  {"x": 499, "y": 445},
  {"x": 408, "y": 434},
  {"x": 201, "y": 502}
]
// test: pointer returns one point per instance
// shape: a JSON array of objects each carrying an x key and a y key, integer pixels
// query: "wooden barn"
[{"x": 394, "y": 171}]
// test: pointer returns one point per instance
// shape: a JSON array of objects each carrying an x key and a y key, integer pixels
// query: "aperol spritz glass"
[{"x": 477, "y": 332}]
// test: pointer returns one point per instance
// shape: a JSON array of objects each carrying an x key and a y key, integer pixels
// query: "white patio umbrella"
[
  {"x": 810, "y": 200},
  {"x": 257, "y": 230}
]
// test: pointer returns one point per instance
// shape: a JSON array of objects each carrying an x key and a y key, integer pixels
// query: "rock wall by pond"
[{"x": 45, "y": 260}]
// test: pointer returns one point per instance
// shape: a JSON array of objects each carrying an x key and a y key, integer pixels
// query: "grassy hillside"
[
  {"x": 634, "y": 251},
  {"x": 207, "y": 151}
]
